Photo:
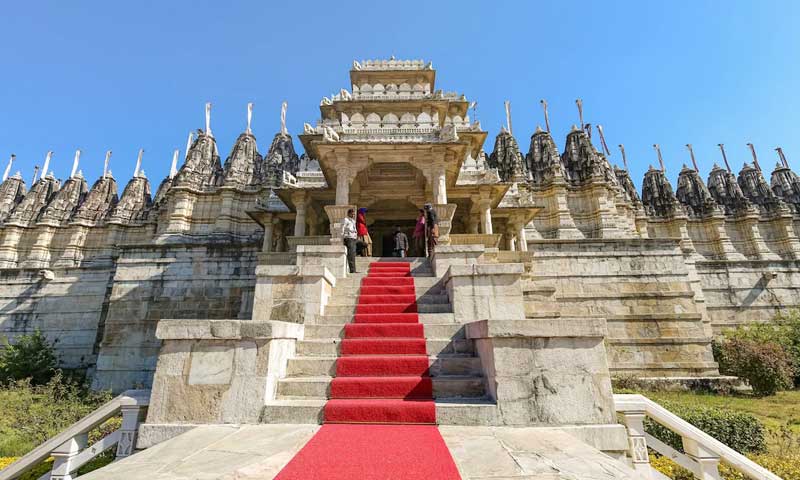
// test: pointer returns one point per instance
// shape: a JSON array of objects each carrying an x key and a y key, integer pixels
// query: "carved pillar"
[
  {"x": 224, "y": 221},
  {"x": 336, "y": 214},
  {"x": 472, "y": 224},
  {"x": 721, "y": 239},
  {"x": 522, "y": 241},
  {"x": 445, "y": 213},
  {"x": 637, "y": 441},
  {"x": 313, "y": 221},
  {"x": 485, "y": 206},
  {"x": 299, "y": 199},
  {"x": 266, "y": 245},
  {"x": 64, "y": 467},
  {"x": 39, "y": 255},
  {"x": 755, "y": 241},
  {"x": 342, "y": 185},
  {"x": 73, "y": 252},
  {"x": 566, "y": 224},
  {"x": 706, "y": 460},
  {"x": 439, "y": 183},
  {"x": 180, "y": 212}
]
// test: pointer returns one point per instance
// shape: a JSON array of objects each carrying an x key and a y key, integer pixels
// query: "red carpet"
[
  {"x": 373, "y": 452},
  {"x": 381, "y": 379}
]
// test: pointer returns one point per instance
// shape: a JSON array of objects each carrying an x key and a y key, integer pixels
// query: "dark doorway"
[{"x": 382, "y": 233}]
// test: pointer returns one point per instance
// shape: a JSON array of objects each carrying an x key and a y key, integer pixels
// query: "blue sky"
[{"x": 129, "y": 75}]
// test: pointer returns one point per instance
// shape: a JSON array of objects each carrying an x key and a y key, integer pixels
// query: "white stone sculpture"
[
  {"x": 173, "y": 170},
  {"x": 105, "y": 163},
  {"x": 330, "y": 135},
  {"x": 284, "y": 131},
  {"x": 47, "y": 163},
  {"x": 308, "y": 129},
  {"x": 8, "y": 167},
  {"x": 138, "y": 168},
  {"x": 249, "y": 116},
  {"x": 208, "y": 119},
  {"x": 189, "y": 144},
  {"x": 75, "y": 162}
]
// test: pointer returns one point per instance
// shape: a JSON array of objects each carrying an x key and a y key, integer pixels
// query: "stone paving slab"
[
  {"x": 221, "y": 452},
  {"x": 528, "y": 453}
]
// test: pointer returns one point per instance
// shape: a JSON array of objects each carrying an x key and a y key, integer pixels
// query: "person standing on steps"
[
  {"x": 363, "y": 233},
  {"x": 431, "y": 228},
  {"x": 419, "y": 234},
  {"x": 400, "y": 243},
  {"x": 350, "y": 235}
]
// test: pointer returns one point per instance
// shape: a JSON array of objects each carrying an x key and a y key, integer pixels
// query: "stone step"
[
  {"x": 341, "y": 291},
  {"x": 330, "y": 347},
  {"x": 444, "y": 387},
  {"x": 444, "y": 331},
  {"x": 452, "y": 412},
  {"x": 353, "y": 300},
  {"x": 448, "y": 364},
  {"x": 423, "y": 318},
  {"x": 354, "y": 279},
  {"x": 333, "y": 309}
]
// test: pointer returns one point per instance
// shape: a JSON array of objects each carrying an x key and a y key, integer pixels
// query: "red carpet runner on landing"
[{"x": 380, "y": 419}]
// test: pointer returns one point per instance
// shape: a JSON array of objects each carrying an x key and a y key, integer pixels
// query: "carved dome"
[
  {"x": 243, "y": 166},
  {"x": 506, "y": 158},
  {"x": 693, "y": 194},
  {"x": 543, "y": 160},
  {"x": 12, "y": 191}
]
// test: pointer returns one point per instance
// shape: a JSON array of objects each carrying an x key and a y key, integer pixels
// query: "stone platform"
[{"x": 259, "y": 452}]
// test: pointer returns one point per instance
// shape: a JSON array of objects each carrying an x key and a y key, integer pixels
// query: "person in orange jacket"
[{"x": 363, "y": 232}]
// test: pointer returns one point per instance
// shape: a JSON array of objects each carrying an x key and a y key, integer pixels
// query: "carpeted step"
[
  {"x": 389, "y": 274},
  {"x": 383, "y": 346},
  {"x": 387, "y": 298},
  {"x": 380, "y": 411},
  {"x": 405, "y": 265},
  {"x": 366, "y": 330},
  {"x": 382, "y": 365},
  {"x": 405, "y": 307},
  {"x": 389, "y": 290},
  {"x": 381, "y": 387},
  {"x": 373, "y": 281},
  {"x": 386, "y": 318}
]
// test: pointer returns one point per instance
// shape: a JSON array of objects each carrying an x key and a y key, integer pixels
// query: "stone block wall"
[
  {"x": 212, "y": 281},
  {"x": 67, "y": 309}
]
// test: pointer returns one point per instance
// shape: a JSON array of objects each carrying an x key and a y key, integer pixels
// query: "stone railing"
[
  {"x": 703, "y": 453},
  {"x": 69, "y": 448}
]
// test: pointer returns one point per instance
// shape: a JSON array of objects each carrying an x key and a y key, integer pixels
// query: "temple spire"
[
  {"x": 660, "y": 160},
  {"x": 138, "y": 163},
  {"x": 508, "y": 116},
  {"x": 208, "y": 119},
  {"x": 603, "y": 140},
  {"x": 724, "y": 157},
  {"x": 755, "y": 157},
  {"x": 579, "y": 103},
  {"x": 691, "y": 154},
  {"x": 47, "y": 163},
  {"x": 546, "y": 117},
  {"x": 624, "y": 158},
  {"x": 173, "y": 170},
  {"x": 284, "y": 106},
  {"x": 782, "y": 157},
  {"x": 249, "y": 117},
  {"x": 8, "y": 167},
  {"x": 189, "y": 144},
  {"x": 75, "y": 162},
  {"x": 105, "y": 163}
]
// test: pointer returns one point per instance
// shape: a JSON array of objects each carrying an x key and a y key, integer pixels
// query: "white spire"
[
  {"x": 546, "y": 116},
  {"x": 8, "y": 167},
  {"x": 105, "y": 163},
  {"x": 174, "y": 169},
  {"x": 74, "y": 164},
  {"x": 249, "y": 116},
  {"x": 284, "y": 106},
  {"x": 508, "y": 117},
  {"x": 208, "y": 119},
  {"x": 189, "y": 144},
  {"x": 47, "y": 163},
  {"x": 138, "y": 168}
]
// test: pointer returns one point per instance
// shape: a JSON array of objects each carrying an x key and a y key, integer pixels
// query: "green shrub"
[
  {"x": 766, "y": 366},
  {"x": 784, "y": 330},
  {"x": 30, "y": 356},
  {"x": 740, "y": 431}
]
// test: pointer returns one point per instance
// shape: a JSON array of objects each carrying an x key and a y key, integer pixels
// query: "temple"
[{"x": 543, "y": 253}]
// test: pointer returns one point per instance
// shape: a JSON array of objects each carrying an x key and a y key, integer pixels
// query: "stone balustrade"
[
  {"x": 70, "y": 449},
  {"x": 701, "y": 454}
]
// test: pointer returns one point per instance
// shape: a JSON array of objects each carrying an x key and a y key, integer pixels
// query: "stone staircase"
[{"x": 455, "y": 369}]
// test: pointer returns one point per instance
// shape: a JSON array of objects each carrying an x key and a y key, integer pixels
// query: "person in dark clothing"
[
  {"x": 400, "y": 243},
  {"x": 431, "y": 228}
]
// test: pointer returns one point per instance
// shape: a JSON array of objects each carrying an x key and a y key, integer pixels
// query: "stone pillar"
[
  {"x": 486, "y": 215},
  {"x": 439, "y": 184},
  {"x": 522, "y": 241},
  {"x": 64, "y": 467},
  {"x": 755, "y": 241},
  {"x": 299, "y": 199},
  {"x": 180, "y": 208},
  {"x": 39, "y": 255},
  {"x": 706, "y": 460},
  {"x": 637, "y": 442},
  {"x": 342, "y": 186},
  {"x": 472, "y": 224},
  {"x": 9, "y": 241},
  {"x": 132, "y": 415},
  {"x": 266, "y": 246}
]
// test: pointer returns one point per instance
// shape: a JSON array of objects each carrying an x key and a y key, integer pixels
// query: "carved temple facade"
[{"x": 96, "y": 269}]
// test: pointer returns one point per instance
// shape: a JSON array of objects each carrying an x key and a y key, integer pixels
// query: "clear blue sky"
[{"x": 129, "y": 75}]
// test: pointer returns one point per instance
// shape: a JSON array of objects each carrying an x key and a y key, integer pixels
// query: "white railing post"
[
  {"x": 132, "y": 415},
  {"x": 637, "y": 443},
  {"x": 707, "y": 462},
  {"x": 64, "y": 456}
]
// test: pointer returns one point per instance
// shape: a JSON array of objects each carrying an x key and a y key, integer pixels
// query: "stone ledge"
[
  {"x": 226, "y": 329},
  {"x": 328, "y": 249},
  {"x": 537, "y": 328},
  {"x": 485, "y": 269},
  {"x": 294, "y": 270},
  {"x": 450, "y": 249},
  {"x": 151, "y": 434}
]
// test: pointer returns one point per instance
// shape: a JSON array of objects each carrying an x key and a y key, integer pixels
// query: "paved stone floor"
[{"x": 258, "y": 452}]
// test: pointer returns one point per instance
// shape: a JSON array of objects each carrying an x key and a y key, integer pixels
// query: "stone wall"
[
  {"x": 181, "y": 281},
  {"x": 67, "y": 309}
]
